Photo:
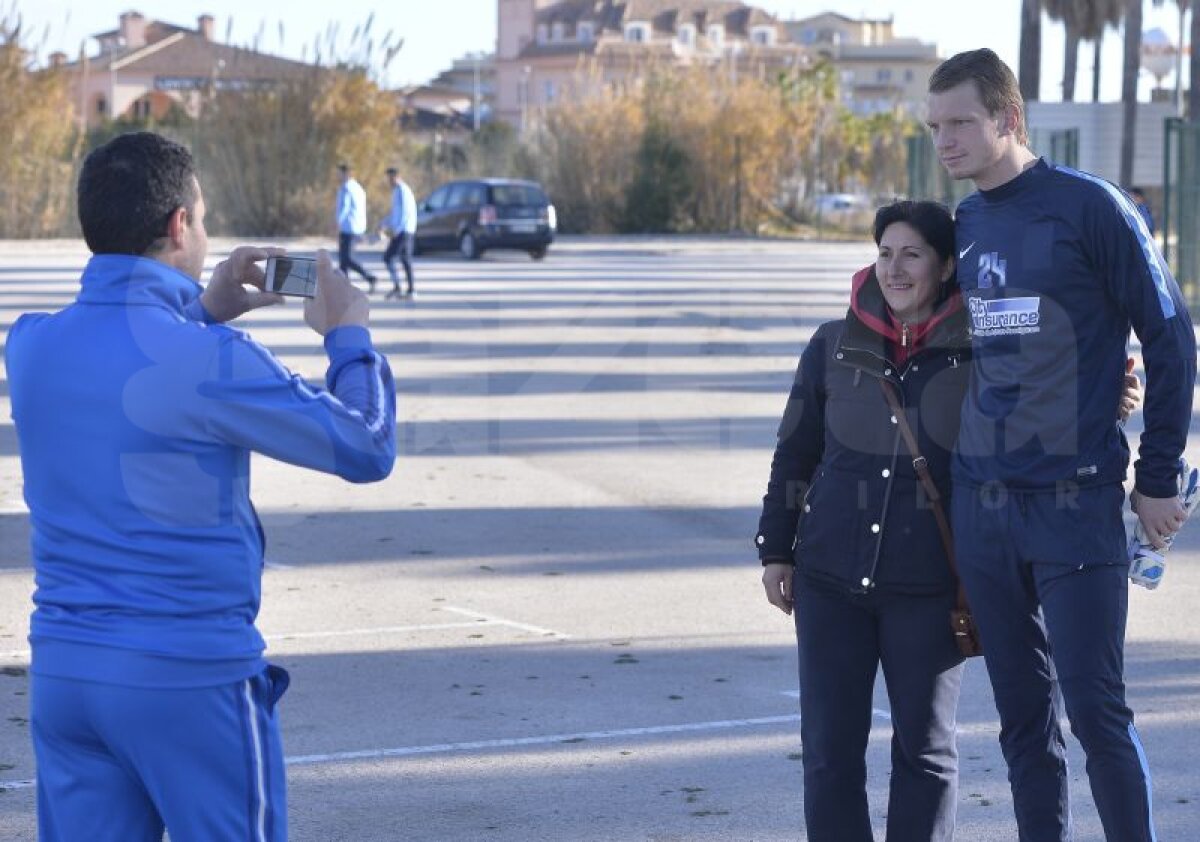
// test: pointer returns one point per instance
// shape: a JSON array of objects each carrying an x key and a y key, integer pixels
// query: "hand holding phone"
[
  {"x": 226, "y": 296},
  {"x": 337, "y": 302},
  {"x": 295, "y": 276}
]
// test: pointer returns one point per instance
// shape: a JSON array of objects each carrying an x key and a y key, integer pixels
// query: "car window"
[
  {"x": 476, "y": 196},
  {"x": 517, "y": 194},
  {"x": 437, "y": 200},
  {"x": 457, "y": 196}
]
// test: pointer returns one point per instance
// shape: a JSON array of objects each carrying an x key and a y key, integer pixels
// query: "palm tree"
[
  {"x": 1101, "y": 15},
  {"x": 1083, "y": 20},
  {"x": 1129, "y": 80},
  {"x": 1193, "y": 98},
  {"x": 1182, "y": 5},
  {"x": 1029, "y": 67},
  {"x": 1070, "y": 12}
]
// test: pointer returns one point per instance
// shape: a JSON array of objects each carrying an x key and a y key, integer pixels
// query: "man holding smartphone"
[{"x": 137, "y": 410}]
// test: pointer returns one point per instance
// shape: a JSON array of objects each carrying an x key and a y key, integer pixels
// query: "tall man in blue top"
[
  {"x": 136, "y": 410},
  {"x": 1056, "y": 266},
  {"x": 351, "y": 215},
  {"x": 401, "y": 224}
]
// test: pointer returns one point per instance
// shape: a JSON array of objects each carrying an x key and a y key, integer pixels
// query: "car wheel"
[
  {"x": 469, "y": 246},
  {"x": 539, "y": 252}
]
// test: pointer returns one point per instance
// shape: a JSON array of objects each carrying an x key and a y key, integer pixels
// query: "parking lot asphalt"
[{"x": 547, "y": 624}]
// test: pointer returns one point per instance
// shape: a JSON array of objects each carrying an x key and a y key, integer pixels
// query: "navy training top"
[{"x": 1055, "y": 267}]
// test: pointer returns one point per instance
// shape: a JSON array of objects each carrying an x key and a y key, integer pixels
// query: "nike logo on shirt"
[{"x": 963, "y": 253}]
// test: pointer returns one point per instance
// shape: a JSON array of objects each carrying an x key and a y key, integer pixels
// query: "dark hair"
[
  {"x": 930, "y": 219},
  {"x": 392, "y": 171},
  {"x": 997, "y": 86},
  {"x": 343, "y": 167},
  {"x": 128, "y": 189}
]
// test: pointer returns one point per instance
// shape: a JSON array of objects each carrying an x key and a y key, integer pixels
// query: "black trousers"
[
  {"x": 346, "y": 260},
  {"x": 844, "y": 639},
  {"x": 400, "y": 246}
]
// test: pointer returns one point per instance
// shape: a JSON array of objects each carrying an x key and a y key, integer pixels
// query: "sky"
[{"x": 437, "y": 31}]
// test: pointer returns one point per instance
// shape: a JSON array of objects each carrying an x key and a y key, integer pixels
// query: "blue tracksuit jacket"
[
  {"x": 1055, "y": 267},
  {"x": 136, "y": 419}
]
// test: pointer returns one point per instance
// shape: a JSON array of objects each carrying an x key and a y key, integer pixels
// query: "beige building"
[
  {"x": 548, "y": 49},
  {"x": 145, "y": 67},
  {"x": 876, "y": 70}
]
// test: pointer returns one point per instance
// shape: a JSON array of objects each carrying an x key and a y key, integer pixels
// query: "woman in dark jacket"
[{"x": 847, "y": 531}]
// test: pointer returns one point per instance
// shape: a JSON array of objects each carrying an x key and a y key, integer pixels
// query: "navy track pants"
[{"x": 1053, "y": 627}]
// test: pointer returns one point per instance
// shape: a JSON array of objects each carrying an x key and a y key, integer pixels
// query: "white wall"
[{"x": 1100, "y": 136}]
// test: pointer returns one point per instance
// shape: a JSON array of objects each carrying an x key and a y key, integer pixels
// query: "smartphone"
[{"x": 292, "y": 276}]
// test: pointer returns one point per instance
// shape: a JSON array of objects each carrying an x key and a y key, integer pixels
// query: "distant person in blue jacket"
[
  {"x": 136, "y": 411},
  {"x": 1143, "y": 206},
  {"x": 401, "y": 225},
  {"x": 1056, "y": 267},
  {"x": 350, "y": 212}
]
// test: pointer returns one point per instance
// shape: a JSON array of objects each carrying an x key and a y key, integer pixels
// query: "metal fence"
[
  {"x": 1181, "y": 205},
  {"x": 927, "y": 178}
]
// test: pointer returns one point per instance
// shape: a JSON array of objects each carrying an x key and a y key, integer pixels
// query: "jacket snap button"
[
  {"x": 759, "y": 540},
  {"x": 887, "y": 371},
  {"x": 840, "y": 355},
  {"x": 893, "y": 419},
  {"x": 866, "y": 583},
  {"x": 886, "y": 473},
  {"x": 875, "y": 528},
  {"x": 807, "y": 507}
]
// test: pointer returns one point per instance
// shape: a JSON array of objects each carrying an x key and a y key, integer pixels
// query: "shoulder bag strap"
[{"x": 931, "y": 491}]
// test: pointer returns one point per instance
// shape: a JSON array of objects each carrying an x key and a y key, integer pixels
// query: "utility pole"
[{"x": 475, "y": 97}]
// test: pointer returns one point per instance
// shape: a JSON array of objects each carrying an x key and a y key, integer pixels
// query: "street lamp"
[{"x": 524, "y": 91}]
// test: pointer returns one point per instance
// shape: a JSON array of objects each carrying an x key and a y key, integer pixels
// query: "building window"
[
  {"x": 101, "y": 106},
  {"x": 883, "y": 75},
  {"x": 637, "y": 32},
  {"x": 848, "y": 77},
  {"x": 584, "y": 31},
  {"x": 548, "y": 91},
  {"x": 716, "y": 36},
  {"x": 908, "y": 75},
  {"x": 557, "y": 31},
  {"x": 543, "y": 33},
  {"x": 763, "y": 36},
  {"x": 686, "y": 34}
]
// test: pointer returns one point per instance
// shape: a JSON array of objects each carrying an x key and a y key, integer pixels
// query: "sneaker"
[
  {"x": 395, "y": 293},
  {"x": 370, "y": 286}
]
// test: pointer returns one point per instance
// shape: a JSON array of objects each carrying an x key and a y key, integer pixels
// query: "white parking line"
[
  {"x": 477, "y": 620},
  {"x": 549, "y": 739},
  {"x": 515, "y": 742},
  {"x": 503, "y": 622},
  {"x": 379, "y": 630},
  {"x": 879, "y": 712}
]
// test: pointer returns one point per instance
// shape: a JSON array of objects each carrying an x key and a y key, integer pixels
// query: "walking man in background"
[
  {"x": 351, "y": 216},
  {"x": 136, "y": 411},
  {"x": 401, "y": 224},
  {"x": 1055, "y": 266}
]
